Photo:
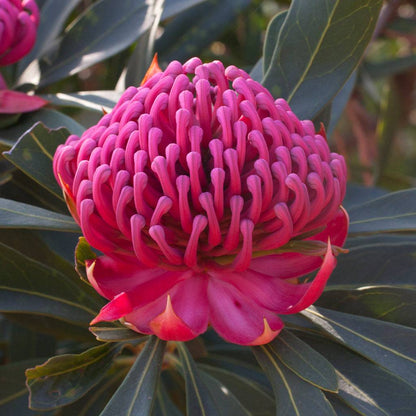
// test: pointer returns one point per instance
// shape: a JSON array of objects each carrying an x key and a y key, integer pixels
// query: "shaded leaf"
[
  {"x": 387, "y": 68},
  {"x": 174, "y": 7},
  {"x": 100, "y": 32},
  {"x": 392, "y": 212},
  {"x": 341, "y": 408},
  {"x": 115, "y": 333},
  {"x": 365, "y": 386},
  {"x": 359, "y": 194},
  {"x": 304, "y": 361},
  {"x": 293, "y": 395},
  {"x": 199, "y": 401},
  {"x": 388, "y": 303},
  {"x": 33, "y": 154},
  {"x": 389, "y": 345},
  {"x": 164, "y": 406},
  {"x": 320, "y": 44},
  {"x": 15, "y": 214},
  {"x": 64, "y": 379},
  {"x": 271, "y": 37},
  {"x": 136, "y": 394}
]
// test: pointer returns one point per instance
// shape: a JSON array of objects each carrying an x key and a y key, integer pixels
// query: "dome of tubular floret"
[{"x": 201, "y": 172}]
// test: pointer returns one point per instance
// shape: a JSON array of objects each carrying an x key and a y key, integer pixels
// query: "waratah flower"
[
  {"x": 19, "y": 20},
  {"x": 208, "y": 200}
]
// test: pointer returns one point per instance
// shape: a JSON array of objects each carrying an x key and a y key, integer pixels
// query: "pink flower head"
[
  {"x": 208, "y": 199},
  {"x": 19, "y": 20}
]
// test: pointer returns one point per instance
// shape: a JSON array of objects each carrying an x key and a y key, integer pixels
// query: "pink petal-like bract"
[
  {"x": 209, "y": 200},
  {"x": 15, "y": 102},
  {"x": 19, "y": 20}
]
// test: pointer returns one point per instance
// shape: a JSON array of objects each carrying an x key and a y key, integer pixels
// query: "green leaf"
[
  {"x": 254, "y": 397},
  {"x": 33, "y": 154},
  {"x": 319, "y": 46},
  {"x": 136, "y": 394},
  {"x": 64, "y": 379},
  {"x": 89, "y": 100},
  {"x": 380, "y": 261},
  {"x": 366, "y": 387},
  {"x": 270, "y": 40},
  {"x": 50, "y": 118},
  {"x": 304, "y": 361},
  {"x": 341, "y": 408},
  {"x": 27, "y": 286},
  {"x": 388, "y": 303},
  {"x": 387, "y": 68},
  {"x": 100, "y": 32},
  {"x": 115, "y": 333},
  {"x": 390, "y": 213},
  {"x": 13, "y": 391},
  {"x": 15, "y": 214},
  {"x": 199, "y": 401},
  {"x": 389, "y": 345},
  {"x": 293, "y": 395},
  {"x": 83, "y": 252},
  {"x": 174, "y": 7},
  {"x": 164, "y": 405},
  {"x": 359, "y": 194}
]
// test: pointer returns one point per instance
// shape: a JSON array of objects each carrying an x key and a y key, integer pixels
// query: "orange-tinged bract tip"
[
  {"x": 153, "y": 69},
  {"x": 209, "y": 200}
]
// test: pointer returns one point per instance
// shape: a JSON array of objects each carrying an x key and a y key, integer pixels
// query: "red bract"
[
  {"x": 19, "y": 20},
  {"x": 208, "y": 199}
]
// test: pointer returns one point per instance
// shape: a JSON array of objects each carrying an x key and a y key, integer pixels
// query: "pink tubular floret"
[{"x": 200, "y": 172}]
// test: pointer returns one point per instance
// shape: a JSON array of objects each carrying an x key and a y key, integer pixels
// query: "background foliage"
[{"x": 343, "y": 63}]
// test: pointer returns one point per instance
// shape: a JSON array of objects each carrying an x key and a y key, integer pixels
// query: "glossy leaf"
[
  {"x": 390, "y": 213},
  {"x": 366, "y": 387},
  {"x": 388, "y": 303},
  {"x": 136, "y": 394},
  {"x": 15, "y": 214},
  {"x": 253, "y": 396},
  {"x": 319, "y": 46},
  {"x": 90, "y": 100},
  {"x": 13, "y": 391},
  {"x": 304, "y": 361},
  {"x": 199, "y": 401},
  {"x": 33, "y": 154},
  {"x": 389, "y": 345},
  {"x": 27, "y": 286},
  {"x": 115, "y": 333},
  {"x": 100, "y": 32},
  {"x": 64, "y": 379},
  {"x": 293, "y": 395},
  {"x": 380, "y": 261}
]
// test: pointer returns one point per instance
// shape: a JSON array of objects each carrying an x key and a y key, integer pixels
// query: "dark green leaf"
[
  {"x": 90, "y": 100},
  {"x": 174, "y": 7},
  {"x": 164, "y": 405},
  {"x": 18, "y": 215},
  {"x": 251, "y": 395},
  {"x": 100, "y": 32},
  {"x": 393, "y": 212},
  {"x": 29, "y": 286},
  {"x": 388, "y": 303},
  {"x": 230, "y": 406},
  {"x": 304, "y": 361},
  {"x": 50, "y": 118},
  {"x": 293, "y": 395},
  {"x": 136, "y": 394},
  {"x": 64, "y": 379},
  {"x": 13, "y": 391},
  {"x": 199, "y": 401},
  {"x": 366, "y": 387},
  {"x": 389, "y": 345},
  {"x": 115, "y": 333},
  {"x": 33, "y": 154},
  {"x": 383, "y": 261},
  {"x": 391, "y": 67},
  {"x": 359, "y": 194},
  {"x": 319, "y": 46},
  {"x": 340, "y": 407},
  {"x": 270, "y": 40}
]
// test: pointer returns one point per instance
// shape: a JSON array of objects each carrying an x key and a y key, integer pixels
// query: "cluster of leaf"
[{"x": 351, "y": 354}]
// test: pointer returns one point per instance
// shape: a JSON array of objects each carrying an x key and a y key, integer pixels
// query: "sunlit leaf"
[
  {"x": 319, "y": 46},
  {"x": 293, "y": 395},
  {"x": 64, "y": 379},
  {"x": 15, "y": 214},
  {"x": 136, "y": 394},
  {"x": 389, "y": 345},
  {"x": 33, "y": 154}
]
